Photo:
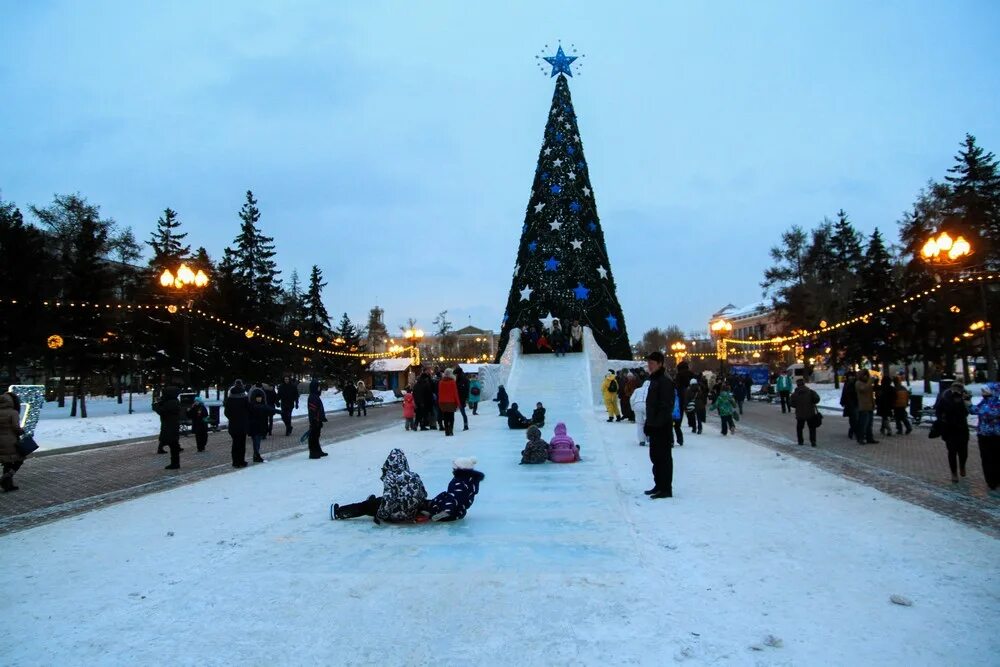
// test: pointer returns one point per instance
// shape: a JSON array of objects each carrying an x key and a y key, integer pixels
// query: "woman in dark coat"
[
  {"x": 237, "y": 410},
  {"x": 885, "y": 401},
  {"x": 515, "y": 420},
  {"x": 10, "y": 431},
  {"x": 169, "y": 409},
  {"x": 198, "y": 414},
  {"x": 952, "y": 411},
  {"x": 259, "y": 420}
]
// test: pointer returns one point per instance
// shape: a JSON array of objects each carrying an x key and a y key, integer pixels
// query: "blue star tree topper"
[{"x": 560, "y": 63}]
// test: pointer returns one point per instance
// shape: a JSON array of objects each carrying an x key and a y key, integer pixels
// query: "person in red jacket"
[
  {"x": 409, "y": 410},
  {"x": 448, "y": 400}
]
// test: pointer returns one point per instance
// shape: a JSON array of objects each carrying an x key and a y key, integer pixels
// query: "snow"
[
  {"x": 107, "y": 421},
  {"x": 758, "y": 559}
]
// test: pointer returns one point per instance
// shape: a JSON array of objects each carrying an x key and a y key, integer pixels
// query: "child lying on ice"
[
  {"x": 537, "y": 450},
  {"x": 402, "y": 497},
  {"x": 562, "y": 449},
  {"x": 452, "y": 505}
]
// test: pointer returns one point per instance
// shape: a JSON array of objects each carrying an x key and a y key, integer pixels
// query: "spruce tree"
[
  {"x": 167, "y": 243},
  {"x": 975, "y": 196},
  {"x": 562, "y": 268},
  {"x": 876, "y": 282},
  {"x": 316, "y": 317}
]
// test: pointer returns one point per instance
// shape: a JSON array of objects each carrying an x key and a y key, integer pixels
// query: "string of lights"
[{"x": 865, "y": 318}]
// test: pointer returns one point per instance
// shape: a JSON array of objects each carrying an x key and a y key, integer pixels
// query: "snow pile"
[
  {"x": 107, "y": 421},
  {"x": 759, "y": 559}
]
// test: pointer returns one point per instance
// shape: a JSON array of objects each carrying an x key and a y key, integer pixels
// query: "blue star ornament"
[
  {"x": 532, "y": 246},
  {"x": 581, "y": 292},
  {"x": 560, "y": 63},
  {"x": 612, "y": 322},
  {"x": 551, "y": 264},
  {"x": 575, "y": 206}
]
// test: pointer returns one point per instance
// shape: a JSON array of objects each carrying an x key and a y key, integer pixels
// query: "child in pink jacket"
[
  {"x": 409, "y": 411},
  {"x": 562, "y": 449}
]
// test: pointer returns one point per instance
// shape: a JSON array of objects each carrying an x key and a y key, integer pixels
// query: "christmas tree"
[{"x": 562, "y": 270}]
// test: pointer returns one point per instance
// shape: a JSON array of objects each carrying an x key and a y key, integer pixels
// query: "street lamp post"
[
  {"x": 679, "y": 349},
  {"x": 186, "y": 283},
  {"x": 413, "y": 337},
  {"x": 945, "y": 251},
  {"x": 720, "y": 329}
]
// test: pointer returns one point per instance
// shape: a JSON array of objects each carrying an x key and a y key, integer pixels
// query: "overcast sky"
[{"x": 394, "y": 144}]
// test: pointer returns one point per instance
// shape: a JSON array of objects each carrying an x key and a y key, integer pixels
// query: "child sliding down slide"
[
  {"x": 402, "y": 497},
  {"x": 562, "y": 449},
  {"x": 453, "y": 504},
  {"x": 537, "y": 450}
]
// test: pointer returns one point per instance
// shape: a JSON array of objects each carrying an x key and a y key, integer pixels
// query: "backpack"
[
  {"x": 474, "y": 391},
  {"x": 677, "y": 408},
  {"x": 613, "y": 387}
]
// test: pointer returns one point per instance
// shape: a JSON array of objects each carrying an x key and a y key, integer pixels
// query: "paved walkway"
[
  {"x": 60, "y": 485},
  {"x": 913, "y": 468}
]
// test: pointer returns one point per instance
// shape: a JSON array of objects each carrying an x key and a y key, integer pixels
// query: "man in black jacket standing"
[
  {"x": 659, "y": 427},
  {"x": 350, "y": 394},
  {"x": 169, "y": 409},
  {"x": 288, "y": 397}
]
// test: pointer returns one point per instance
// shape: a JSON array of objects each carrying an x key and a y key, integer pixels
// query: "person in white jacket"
[{"x": 638, "y": 403}]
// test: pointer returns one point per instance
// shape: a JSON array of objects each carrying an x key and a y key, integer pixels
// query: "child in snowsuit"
[
  {"x": 515, "y": 420},
  {"x": 537, "y": 450},
  {"x": 538, "y": 416},
  {"x": 725, "y": 405},
  {"x": 402, "y": 497},
  {"x": 453, "y": 504},
  {"x": 562, "y": 449},
  {"x": 198, "y": 414},
  {"x": 409, "y": 411}
]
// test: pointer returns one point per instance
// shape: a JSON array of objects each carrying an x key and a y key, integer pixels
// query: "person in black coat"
[
  {"x": 350, "y": 394},
  {"x": 198, "y": 414},
  {"x": 849, "y": 401},
  {"x": 317, "y": 417},
  {"x": 260, "y": 417},
  {"x": 169, "y": 409},
  {"x": 288, "y": 398},
  {"x": 237, "y": 410},
  {"x": 271, "y": 399},
  {"x": 423, "y": 397},
  {"x": 952, "y": 412},
  {"x": 515, "y": 420},
  {"x": 453, "y": 504},
  {"x": 502, "y": 401},
  {"x": 462, "y": 380},
  {"x": 538, "y": 416},
  {"x": 659, "y": 427}
]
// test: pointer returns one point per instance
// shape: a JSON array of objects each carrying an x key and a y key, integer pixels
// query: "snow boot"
[
  {"x": 661, "y": 494},
  {"x": 258, "y": 459},
  {"x": 173, "y": 466},
  {"x": 652, "y": 491}
]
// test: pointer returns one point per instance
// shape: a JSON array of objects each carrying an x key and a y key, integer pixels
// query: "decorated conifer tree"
[{"x": 562, "y": 270}]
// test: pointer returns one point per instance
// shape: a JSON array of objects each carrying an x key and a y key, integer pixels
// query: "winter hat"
[
  {"x": 467, "y": 463},
  {"x": 238, "y": 385},
  {"x": 534, "y": 433},
  {"x": 693, "y": 381},
  {"x": 448, "y": 373}
]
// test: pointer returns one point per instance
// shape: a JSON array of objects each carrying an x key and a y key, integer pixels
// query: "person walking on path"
[
  {"x": 462, "y": 382},
  {"x": 448, "y": 401},
  {"x": 952, "y": 411},
  {"x": 475, "y": 393},
  {"x": 739, "y": 392},
  {"x": 609, "y": 390},
  {"x": 901, "y": 401},
  {"x": 865, "y": 387},
  {"x": 638, "y": 404},
  {"x": 350, "y": 394},
  {"x": 169, "y": 409},
  {"x": 785, "y": 390},
  {"x": 725, "y": 405},
  {"x": 10, "y": 432},
  {"x": 361, "y": 402},
  {"x": 317, "y": 417},
  {"x": 271, "y": 400},
  {"x": 804, "y": 401},
  {"x": 849, "y": 401},
  {"x": 631, "y": 382},
  {"x": 885, "y": 399},
  {"x": 988, "y": 433},
  {"x": 237, "y": 410},
  {"x": 659, "y": 427},
  {"x": 198, "y": 414},
  {"x": 288, "y": 398},
  {"x": 260, "y": 418}
]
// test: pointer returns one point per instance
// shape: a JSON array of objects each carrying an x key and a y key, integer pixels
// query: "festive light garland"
[{"x": 923, "y": 294}]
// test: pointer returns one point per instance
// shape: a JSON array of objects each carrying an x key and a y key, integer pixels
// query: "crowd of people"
[{"x": 540, "y": 339}]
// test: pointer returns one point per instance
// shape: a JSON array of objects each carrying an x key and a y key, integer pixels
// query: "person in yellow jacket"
[{"x": 609, "y": 389}]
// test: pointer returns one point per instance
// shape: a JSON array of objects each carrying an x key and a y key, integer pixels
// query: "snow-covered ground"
[
  {"x": 107, "y": 420},
  {"x": 759, "y": 559}
]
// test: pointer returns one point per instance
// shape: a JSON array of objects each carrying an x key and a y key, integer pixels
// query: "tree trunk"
[
  {"x": 927, "y": 376},
  {"x": 72, "y": 410},
  {"x": 965, "y": 369},
  {"x": 83, "y": 396}
]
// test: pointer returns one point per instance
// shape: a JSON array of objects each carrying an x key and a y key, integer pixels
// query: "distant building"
[
  {"x": 756, "y": 321},
  {"x": 466, "y": 343}
]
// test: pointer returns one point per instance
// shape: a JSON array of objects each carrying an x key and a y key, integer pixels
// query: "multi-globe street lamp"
[
  {"x": 187, "y": 283},
  {"x": 720, "y": 329},
  {"x": 413, "y": 336},
  {"x": 952, "y": 252}
]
